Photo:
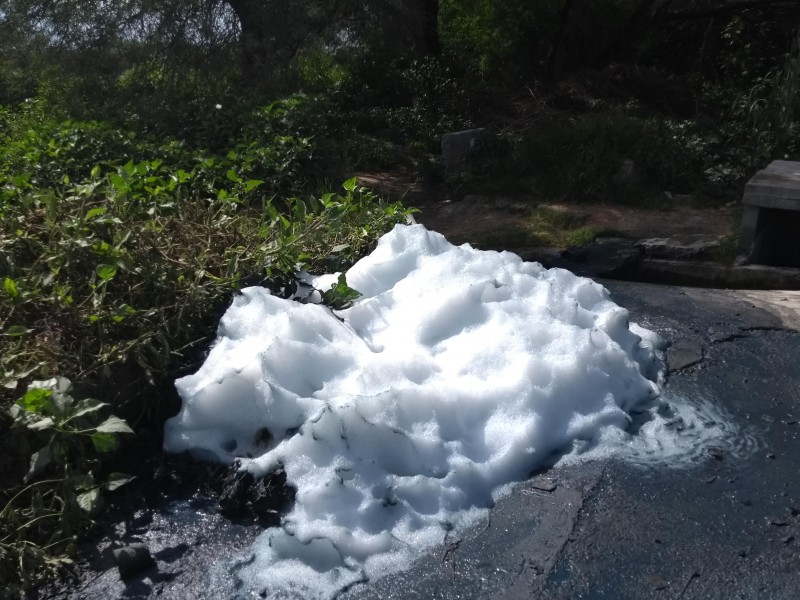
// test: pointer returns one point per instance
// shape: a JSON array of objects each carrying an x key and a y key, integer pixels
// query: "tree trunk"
[
  {"x": 555, "y": 58},
  {"x": 426, "y": 38},
  {"x": 272, "y": 33},
  {"x": 257, "y": 56}
]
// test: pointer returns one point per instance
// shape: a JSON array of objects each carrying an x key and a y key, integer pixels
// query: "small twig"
[{"x": 692, "y": 577}]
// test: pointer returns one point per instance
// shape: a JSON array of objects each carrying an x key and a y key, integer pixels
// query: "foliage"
[
  {"x": 772, "y": 110},
  {"x": 156, "y": 157},
  {"x": 117, "y": 254},
  {"x": 598, "y": 158},
  {"x": 41, "y": 522}
]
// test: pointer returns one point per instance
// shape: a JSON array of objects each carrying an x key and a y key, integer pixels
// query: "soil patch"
[{"x": 499, "y": 222}]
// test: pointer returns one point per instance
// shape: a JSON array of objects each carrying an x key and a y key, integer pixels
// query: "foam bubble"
[{"x": 456, "y": 373}]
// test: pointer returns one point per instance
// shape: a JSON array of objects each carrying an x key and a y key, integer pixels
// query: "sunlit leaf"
[
  {"x": 95, "y": 212},
  {"x": 10, "y": 286},
  {"x": 16, "y": 330},
  {"x": 87, "y": 406},
  {"x": 114, "y": 425},
  {"x": 252, "y": 184},
  {"x": 106, "y": 271},
  {"x": 91, "y": 501},
  {"x": 39, "y": 460},
  {"x": 36, "y": 399},
  {"x": 41, "y": 424},
  {"x": 117, "y": 480},
  {"x": 351, "y": 184}
]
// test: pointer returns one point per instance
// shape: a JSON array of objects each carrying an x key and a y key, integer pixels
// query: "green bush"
[
  {"x": 118, "y": 253},
  {"x": 596, "y": 158}
]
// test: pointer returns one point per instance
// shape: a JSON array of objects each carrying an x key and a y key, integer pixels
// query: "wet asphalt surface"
[{"x": 727, "y": 526}]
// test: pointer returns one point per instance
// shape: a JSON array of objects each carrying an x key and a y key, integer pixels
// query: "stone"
[
  {"x": 615, "y": 258},
  {"x": 544, "y": 485},
  {"x": 680, "y": 247},
  {"x": 458, "y": 146},
  {"x": 132, "y": 560},
  {"x": 683, "y": 354}
]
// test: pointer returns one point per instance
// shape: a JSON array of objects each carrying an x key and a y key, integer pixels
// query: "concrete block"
[
  {"x": 771, "y": 214},
  {"x": 457, "y": 146}
]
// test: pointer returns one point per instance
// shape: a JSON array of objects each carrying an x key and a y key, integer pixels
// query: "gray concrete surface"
[{"x": 728, "y": 527}]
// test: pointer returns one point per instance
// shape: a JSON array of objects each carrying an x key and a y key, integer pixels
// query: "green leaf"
[
  {"x": 340, "y": 295},
  {"x": 231, "y": 174},
  {"x": 95, "y": 212},
  {"x": 252, "y": 184},
  {"x": 114, "y": 425},
  {"x": 85, "y": 407},
  {"x": 16, "y": 330},
  {"x": 95, "y": 173},
  {"x": 106, "y": 271},
  {"x": 91, "y": 501},
  {"x": 10, "y": 286},
  {"x": 117, "y": 480},
  {"x": 104, "y": 442},
  {"x": 351, "y": 184},
  {"x": 36, "y": 399},
  {"x": 339, "y": 248}
]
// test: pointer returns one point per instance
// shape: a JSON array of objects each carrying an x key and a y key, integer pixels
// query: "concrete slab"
[{"x": 771, "y": 205}]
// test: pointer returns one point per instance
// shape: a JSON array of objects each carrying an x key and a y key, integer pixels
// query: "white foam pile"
[{"x": 456, "y": 373}]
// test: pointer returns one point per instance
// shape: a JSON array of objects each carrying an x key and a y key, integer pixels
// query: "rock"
[
  {"x": 132, "y": 559},
  {"x": 684, "y": 353},
  {"x": 680, "y": 247},
  {"x": 544, "y": 485},
  {"x": 263, "y": 499},
  {"x": 616, "y": 258},
  {"x": 457, "y": 146},
  {"x": 716, "y": 453}
]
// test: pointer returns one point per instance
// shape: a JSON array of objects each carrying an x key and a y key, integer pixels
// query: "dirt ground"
[{"x": 468, "y": 218}]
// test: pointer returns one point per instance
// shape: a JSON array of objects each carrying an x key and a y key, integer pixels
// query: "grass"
[{"x": 545, "y": 227}]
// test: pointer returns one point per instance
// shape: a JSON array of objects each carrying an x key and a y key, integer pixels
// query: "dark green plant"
[
  {"x": 62, "y": 490},
  {"x": 115, "y": 269}
]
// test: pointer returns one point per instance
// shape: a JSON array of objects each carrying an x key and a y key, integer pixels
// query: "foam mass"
[{"x": 457, "y": 372}]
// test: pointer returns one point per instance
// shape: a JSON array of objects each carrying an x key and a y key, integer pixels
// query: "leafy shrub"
[
  {"x": 597, "y": 157},
  {"x": 118, "y": 253},
  {"x": 48, "y": 514}
]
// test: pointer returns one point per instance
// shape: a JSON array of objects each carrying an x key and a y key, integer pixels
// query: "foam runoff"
[{"x": 401, "y": 418}]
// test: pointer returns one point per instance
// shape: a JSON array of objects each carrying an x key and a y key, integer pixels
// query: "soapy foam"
[{"x": 456, "y": 373}]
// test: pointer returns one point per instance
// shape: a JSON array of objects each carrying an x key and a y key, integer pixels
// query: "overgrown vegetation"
[
  {"x": 118, "y": 252},
  {"x": 156, "y": 157}
]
